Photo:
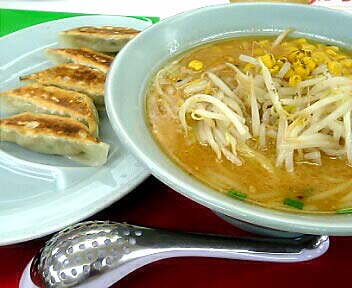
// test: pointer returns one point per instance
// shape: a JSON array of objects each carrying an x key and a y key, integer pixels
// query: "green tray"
[{"x": 13, "y": 20}]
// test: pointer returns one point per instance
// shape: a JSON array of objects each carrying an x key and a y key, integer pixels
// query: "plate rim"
[
  {"x": 68, "y": 18},
  {"x": 37, "y": 230}
]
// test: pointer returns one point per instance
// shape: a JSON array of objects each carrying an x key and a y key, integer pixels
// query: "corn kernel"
[
  {"x": 331, "y": 52},
  {"x": 334, "y": 48},
  {"x": 320, "y": 57},
  {"x": 248, "y": 67},
  {"x": 300, "y": 41},
  {"x": 289, "y": 74},
  {"x": 229, "y": 59},
  {"x": 268, "y": 60},
  {"x": 195, "y": 65},
  {"x": 309, "y": 62},
  {"x": 274, "y": 70},
  {"x": 294, "y": 80},
  {"x": 281, "y": 61},
  {"x": 335, "y": 68},
  {"x": 308, "y": 47},
  {"x": 301, "y": 54},
  {"x": 340, "y": 57},
  {"x": 300, "y": 69},
  {"x": 347, "y": 63},
  {"x": 292, "y": 57},
  {"x": 290, "y": 48},
  {"x": 307, "y": 53},
  {"x": 258, "y": 52}
]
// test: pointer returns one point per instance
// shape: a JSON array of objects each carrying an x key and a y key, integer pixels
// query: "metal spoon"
[{"x": 98, "y": 254}]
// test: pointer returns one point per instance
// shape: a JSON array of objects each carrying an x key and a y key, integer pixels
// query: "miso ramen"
[{"x": 264, "y": 119}]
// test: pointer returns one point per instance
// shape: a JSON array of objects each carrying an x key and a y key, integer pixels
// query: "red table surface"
[{"x": 154, "y": 204}]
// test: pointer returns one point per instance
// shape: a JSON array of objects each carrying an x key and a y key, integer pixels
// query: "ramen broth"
[{"x": 321, "y": 185}]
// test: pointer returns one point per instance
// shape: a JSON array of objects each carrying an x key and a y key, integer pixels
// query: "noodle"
[{"x": 270, "y": 117}]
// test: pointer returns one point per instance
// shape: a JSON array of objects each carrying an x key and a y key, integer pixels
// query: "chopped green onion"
[
  {"x": 238, "y": 195},
  {"x": 344, "y": 211},
  {"x": 294, "y": 203}
]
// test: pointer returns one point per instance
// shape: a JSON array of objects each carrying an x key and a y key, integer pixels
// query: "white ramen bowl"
[{"x": 142, "y": 57}]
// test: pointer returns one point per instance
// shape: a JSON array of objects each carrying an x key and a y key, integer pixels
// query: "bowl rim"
[{"x": 255, "y": 214}]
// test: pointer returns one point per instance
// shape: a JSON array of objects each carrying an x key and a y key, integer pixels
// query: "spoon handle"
[
  {"x": 174, "y": 244},
  {"x": 98, "y": 254}
]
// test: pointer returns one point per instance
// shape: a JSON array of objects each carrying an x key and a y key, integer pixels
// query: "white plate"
[{"x": 40, "y": 194}]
